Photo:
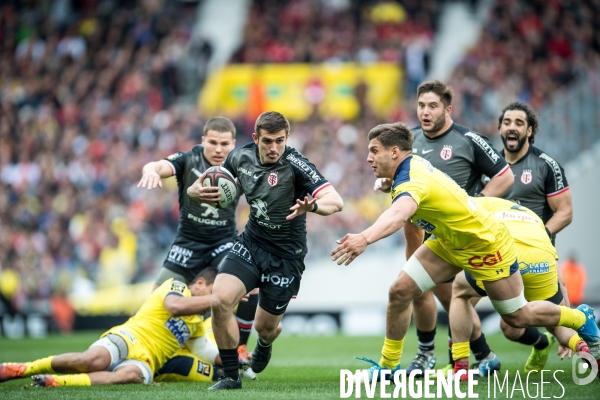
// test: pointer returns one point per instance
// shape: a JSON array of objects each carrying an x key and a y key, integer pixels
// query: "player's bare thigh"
[{"x": 422, "y": 271}]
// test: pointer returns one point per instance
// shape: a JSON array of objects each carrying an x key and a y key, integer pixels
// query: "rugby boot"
[
  {"x": 538, "y": 358},
  {"x": 376, "y": 367},
  {"x": 10, "y": 371},
  {"x": 260, "y": 357},
  {"x": 44, "y": 381},
  {"x": 424, "y": 360},
  {"x": 226, "y": 383}
]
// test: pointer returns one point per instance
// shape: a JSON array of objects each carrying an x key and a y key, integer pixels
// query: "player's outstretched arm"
[
  {"x": 328, "y": 201},
  {"x": 392, "y": 219},
  {"x": 178, "y": 306},
  {"x": 153, "y": 172}
]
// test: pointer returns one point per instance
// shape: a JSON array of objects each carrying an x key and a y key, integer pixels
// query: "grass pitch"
[{"x": 301, "y": 368}]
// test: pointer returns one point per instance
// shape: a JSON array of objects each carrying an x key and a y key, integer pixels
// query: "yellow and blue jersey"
[
  {"x": 537, "y": 256},
  {"x": 444, "y": 209},
  {"x": 157, "y": 334}
]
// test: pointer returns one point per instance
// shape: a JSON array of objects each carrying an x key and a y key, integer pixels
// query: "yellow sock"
[
  {"x": 73, "y": 380},
  {"x": 460, "y": 351},
  {"x": 575, "y": 339},
  {"x": 391, "y": 353},
  {"x": 571, "y": 318},
  {"x": 41, "y": 366}
]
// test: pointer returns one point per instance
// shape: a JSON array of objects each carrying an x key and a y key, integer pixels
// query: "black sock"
[
  {"x": 426, "y": 340},
  {"x": 231, "y": 364},
  {"x": 245, "y": 317},
  {"x": 451, "y": 360},
  {"x": 533, "y": 337},
  {"x": 480, "y": 348},
  {"x": 263, "y": 344}
]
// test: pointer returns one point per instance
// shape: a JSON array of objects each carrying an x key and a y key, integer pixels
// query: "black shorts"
[
  {"x": 187, "y": 257},
  {"x": 278, "y": 278}
]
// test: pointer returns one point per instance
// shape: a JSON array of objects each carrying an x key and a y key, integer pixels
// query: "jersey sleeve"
[
  {"x": 555, "y": 182},
  {"x": 175, "y": 287},
  {"x": 308, "y": 178},
  {"x": 407, "y": 183},
  {"x": 230, "y": 165},
  {"x": 410, "y": 188},
  {"x": 487, "y": 160},
  {"x": 177, "y": 162}
]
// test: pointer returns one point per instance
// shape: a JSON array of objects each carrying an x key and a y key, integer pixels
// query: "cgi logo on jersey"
[{"x": 489, "y": 260}]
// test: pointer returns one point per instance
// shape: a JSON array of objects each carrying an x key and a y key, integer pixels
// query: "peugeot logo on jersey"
[{"x": 261, "y": 208}]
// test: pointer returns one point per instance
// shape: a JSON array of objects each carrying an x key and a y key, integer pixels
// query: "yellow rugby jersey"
[
  {"x": 537, "y": 256},
  {"x": 523, "y": 224},
  {"x": 444, "y": 209},
  {"x": 161, "y": 334}
]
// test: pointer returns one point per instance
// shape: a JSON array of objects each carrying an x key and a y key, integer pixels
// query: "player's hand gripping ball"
[{"x": 221, "y": 178}]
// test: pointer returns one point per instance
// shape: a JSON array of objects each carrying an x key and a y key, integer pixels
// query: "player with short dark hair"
[
  {"x": 134, "y": 351},
  {"x": 464, "y": 236},
  {"x": 281, "y": 186},
  {"x": 205, "y": 233},
  {"x": 465, "y": 156}
]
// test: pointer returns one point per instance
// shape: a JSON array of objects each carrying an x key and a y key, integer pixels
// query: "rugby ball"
[{"x": 224, "y": 180}]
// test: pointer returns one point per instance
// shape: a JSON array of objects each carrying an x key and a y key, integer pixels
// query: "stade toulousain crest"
[
  {"x": 446, "y": 153},
  {"x": 526, "y": 176},
  {"x": 272, "y": 179}
]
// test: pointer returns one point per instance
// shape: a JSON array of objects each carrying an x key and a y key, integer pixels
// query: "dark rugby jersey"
[
  {"x": 460, "y": 153},
  {"x": 197, "y": 221},
  {"x": 271, "y": 189},
  {"x": 537, "y": 177}
]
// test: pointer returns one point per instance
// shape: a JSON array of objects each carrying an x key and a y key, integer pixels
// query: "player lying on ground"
[
  {"x": 190, "y": 363},
  {"x": 462, "y": 233},
  {"x": 537, "y": 267},
  {"x": 132, "y": 352}
]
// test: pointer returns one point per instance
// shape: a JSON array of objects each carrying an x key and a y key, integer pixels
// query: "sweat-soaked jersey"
[
  {"x": 271, "y": 189},
  {"x": 537, "y": 177},
  {"x": 199, "y": 222},
  {"x": 461, "y": 154}
]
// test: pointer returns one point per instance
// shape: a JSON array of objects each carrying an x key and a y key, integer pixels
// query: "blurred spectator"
[
  {"x": 87, "y": 97},
  {"x": 526, "y": 51},
  {"x": 575, "y": 278}
]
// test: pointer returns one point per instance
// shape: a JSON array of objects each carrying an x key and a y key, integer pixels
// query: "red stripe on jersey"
[
  {"x": 503, "y": 170},
  {"x": 317, "y": 190},
  {"x": 170, "y": 165},
  {"x": 557, "y": 193}
]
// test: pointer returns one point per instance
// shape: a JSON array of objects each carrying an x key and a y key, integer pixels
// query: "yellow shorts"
[
  {"x": 488, "y": 262},
  {"x": 135, "y": 349},
  {"x": 538, "y": 271},
  {"x": 185, "y": 366}
]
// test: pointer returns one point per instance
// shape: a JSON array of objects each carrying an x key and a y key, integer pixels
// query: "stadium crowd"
[
  {"x": 526, "y": 51},
  {"x": 85, "y": 103}
]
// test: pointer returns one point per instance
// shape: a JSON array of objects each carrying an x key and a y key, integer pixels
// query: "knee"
[
  {"x": 400, "y": 293},
  {"x": 90, "y": 362},
  {"x": 130, "y": 374},
  {"x": 266, "y": 329},
  {"x": 516, "y": 319},
  {"x": 220, "y": 304}
]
